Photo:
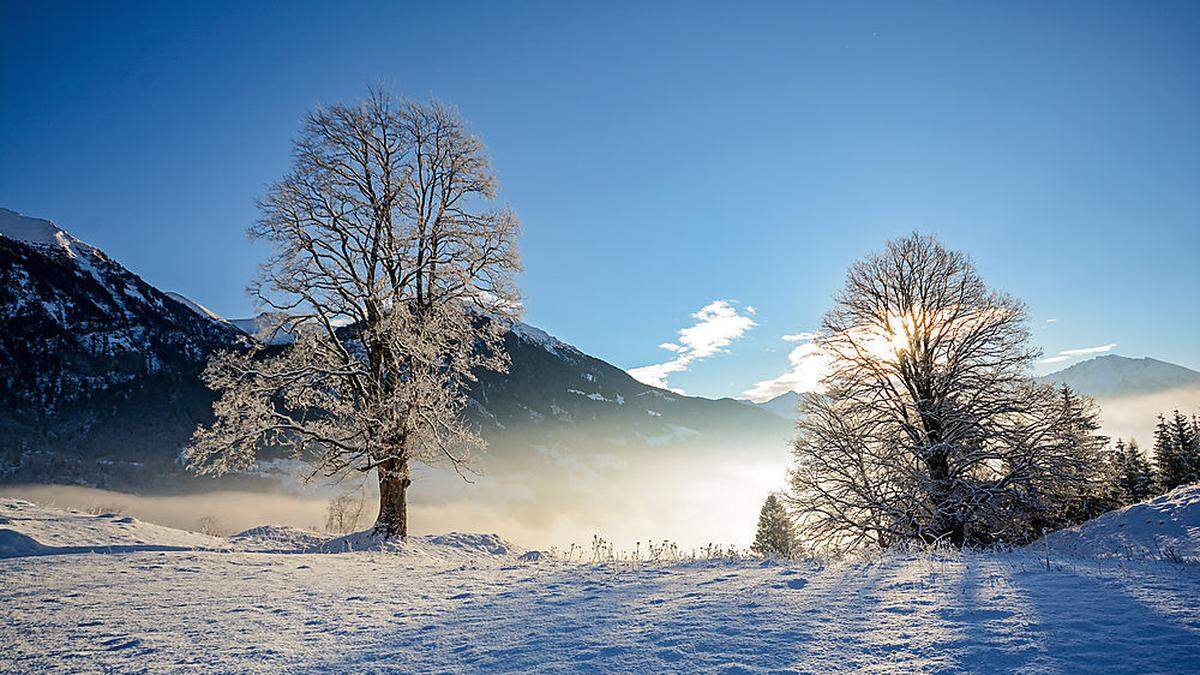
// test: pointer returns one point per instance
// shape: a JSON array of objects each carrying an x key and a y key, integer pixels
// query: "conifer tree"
[
  {"x": 776, "y": 534},
  {"x": 1184, "y": 436},
  {"x": 1176, "y": 455},
  {"x": 1134, "y": 479}
]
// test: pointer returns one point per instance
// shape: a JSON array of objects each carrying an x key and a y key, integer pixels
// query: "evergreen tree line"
[{"x": 1173, "y": 461}]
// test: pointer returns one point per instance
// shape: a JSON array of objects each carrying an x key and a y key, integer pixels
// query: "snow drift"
[
  {"x": 27, "y": 529},
  {"x": 1167, "y": 526}
]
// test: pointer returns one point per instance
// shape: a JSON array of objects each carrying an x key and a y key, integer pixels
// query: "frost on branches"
[
  {"x": 929, "y": 426},
  {"x": 395, "y": 273}
]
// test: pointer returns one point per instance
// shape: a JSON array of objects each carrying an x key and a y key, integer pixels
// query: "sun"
[{"x": 888, "y": 342}]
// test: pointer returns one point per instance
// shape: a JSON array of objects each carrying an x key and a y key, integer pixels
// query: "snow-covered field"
[{"x": 83, "y": 593}]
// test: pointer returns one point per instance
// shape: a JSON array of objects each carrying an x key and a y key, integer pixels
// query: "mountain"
[
  {"x": 1111, "y": 376},
  {"x": 101, "y": 378},
  {"x": 1131, "y": 393},
  {"x": 555, "y": 393},
  {"x": 783, "y": 405},
  {"x": 95, "y": 362}
]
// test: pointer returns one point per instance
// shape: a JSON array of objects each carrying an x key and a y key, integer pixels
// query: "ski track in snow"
[{"x": 105, "y": 604}]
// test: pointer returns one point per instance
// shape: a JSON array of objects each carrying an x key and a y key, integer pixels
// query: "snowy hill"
[
  {"x": 1167, "y": 525},
  {"x": 1112, "y": 376},
  {"x": 108, "y": 594},
  {"x": 28, "y": 529}
]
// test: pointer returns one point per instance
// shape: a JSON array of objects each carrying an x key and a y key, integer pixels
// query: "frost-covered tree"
[
  {"x": 394, "y": 271},
  {"x": 776, "y": 535},
  {"x": 929, "y": 425},
  {"x": 1133, "y": 475},
  {"x": 1176, "y": 451}
]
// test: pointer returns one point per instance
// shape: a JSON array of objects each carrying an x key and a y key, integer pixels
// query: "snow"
[
  {"x": 1167, "y": 525},
  {"x": 596, "y": 396},
  {"x": 196, "y": 307},
  {"x": 54, "y": 529},
  {"x": 40, "y": 232},
  {"x": 29, "y": 230},
  {"x": 257, "y": 325},
  {"x": 1112, "y": 376},
  {"x": 279, "y": 537},
  {"x": 464, "y": 602},
  {"x": 541, "y": 338}
]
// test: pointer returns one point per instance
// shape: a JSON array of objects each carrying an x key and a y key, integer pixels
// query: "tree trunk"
[
  {"x": 393, "y": 499},
  {"x": 947, "y": 527}
]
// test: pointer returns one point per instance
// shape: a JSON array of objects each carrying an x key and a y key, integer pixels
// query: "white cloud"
[
  {"x": 1068, "y": 354},
  {"x": 1051, "y": 320},
  {"x": 717, "y": 325},
  {"x": 1082, "y": 351},
  {"x": 808, "y": 365}
]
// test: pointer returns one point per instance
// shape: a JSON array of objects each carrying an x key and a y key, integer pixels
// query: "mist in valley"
[
  {"x": 540, "y": 498},
  {"x": 540, "y": 494},
  {"x": 1135, "y": 416}
]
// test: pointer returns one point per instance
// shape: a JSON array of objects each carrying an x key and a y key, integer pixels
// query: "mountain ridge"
[
  {"x": 143, "y": 350},
  {"x": 1111, "y": 376}
]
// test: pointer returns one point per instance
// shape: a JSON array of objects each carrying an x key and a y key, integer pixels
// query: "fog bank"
[{"x": 553, "y": 497}]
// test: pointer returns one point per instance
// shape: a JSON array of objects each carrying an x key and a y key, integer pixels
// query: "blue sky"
[{"x": 663, "y": 156}]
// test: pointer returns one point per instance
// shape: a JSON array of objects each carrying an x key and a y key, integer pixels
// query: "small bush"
[
  {"x": 106, "y": 509},
  {"x": 211, "y": 525}
]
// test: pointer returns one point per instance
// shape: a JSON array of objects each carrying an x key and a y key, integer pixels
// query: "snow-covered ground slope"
[
  {"x": 484, "y": 607},
  {"x": 29, "y": 529},
  {"x": 1166, "y": 526}
]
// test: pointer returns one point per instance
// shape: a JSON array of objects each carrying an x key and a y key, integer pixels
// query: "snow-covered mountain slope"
[
  {"x": 1102, "y": 377},
  {"x": 100, "y": 372},
  {"x": 42, "y": 234},
  {"x": 77, "y": 322},
  {"x": 1165, "y": 526},
  {"x": 228, "y": 609},
  {"x": 555, "y": 392},
  {"x": 554, "y": 395},
  {"x": 196, "y": 307},
  {"x": 264, "y": 328},
  {"x": 1112, "y": 376},
  {"x": 260, "y": 327},
  {"x": 94, "y": 362}
]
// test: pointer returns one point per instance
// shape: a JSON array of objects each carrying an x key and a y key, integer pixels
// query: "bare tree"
[
  {"x": 211, "y": 525},
  {"x": 343, "y": 512},
  {"x": 394, "y": 272},
  {"x": 929, "y": 426}
]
